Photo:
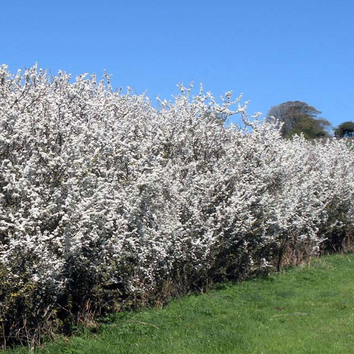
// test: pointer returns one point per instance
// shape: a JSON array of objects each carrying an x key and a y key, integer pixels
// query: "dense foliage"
[
  {"x": 106, "y": 200},
  {"x": 298, "y": 117},
  {"x": 345, "y": 130}
]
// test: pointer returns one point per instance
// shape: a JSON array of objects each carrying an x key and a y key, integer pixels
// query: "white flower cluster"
[{"x": 98, "y": 187}]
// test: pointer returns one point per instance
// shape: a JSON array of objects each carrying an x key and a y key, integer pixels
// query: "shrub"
[{"x": 107, "y": 201}]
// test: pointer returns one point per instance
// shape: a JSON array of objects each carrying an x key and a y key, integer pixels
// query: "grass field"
[{"x": 309, "y": 309}]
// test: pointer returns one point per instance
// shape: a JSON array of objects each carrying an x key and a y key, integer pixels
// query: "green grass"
[{"x": 303, "y": 310}]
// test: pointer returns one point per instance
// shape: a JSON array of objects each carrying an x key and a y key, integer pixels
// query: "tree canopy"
[
  {"x": 345, "y": 130},
  {"x": 299, "y": 117}
]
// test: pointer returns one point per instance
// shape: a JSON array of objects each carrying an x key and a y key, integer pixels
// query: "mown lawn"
[{"x": 304, "y": 310}]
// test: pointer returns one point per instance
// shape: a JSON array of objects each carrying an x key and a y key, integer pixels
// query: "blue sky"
[{"x": 273, "y": 51}]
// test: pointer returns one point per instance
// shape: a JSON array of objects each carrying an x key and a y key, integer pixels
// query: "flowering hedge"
[{"x": 105, "y": 199}]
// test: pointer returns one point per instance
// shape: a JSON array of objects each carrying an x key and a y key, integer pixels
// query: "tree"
[
  {"x": 345, "y": 130},
  {"x": 299, "y": 117}
]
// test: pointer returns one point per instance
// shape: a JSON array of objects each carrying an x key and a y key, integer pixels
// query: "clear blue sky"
[{"x": 273, "y": 51}]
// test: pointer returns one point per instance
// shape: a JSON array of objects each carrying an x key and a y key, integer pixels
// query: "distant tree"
[
  {"x": 299, "y": 117},
  {"x": 345, "y": 130}
]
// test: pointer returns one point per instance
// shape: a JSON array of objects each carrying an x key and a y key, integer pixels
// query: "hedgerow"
[{"x": 106, "y": 201}]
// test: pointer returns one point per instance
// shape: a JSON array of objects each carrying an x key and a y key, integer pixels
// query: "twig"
[{"x": 3, "y": 333}]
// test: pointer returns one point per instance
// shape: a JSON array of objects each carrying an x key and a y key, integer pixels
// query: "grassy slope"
[{"x": 309, "y": 310}]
